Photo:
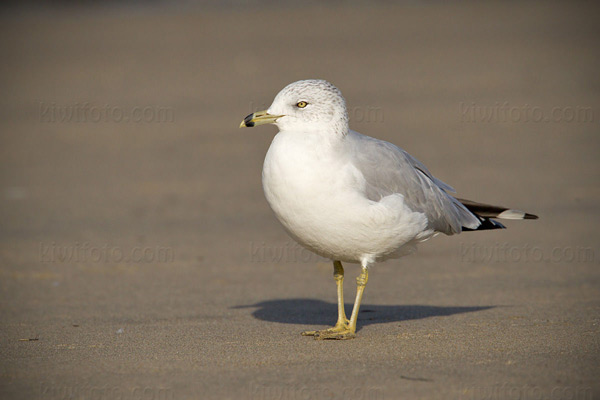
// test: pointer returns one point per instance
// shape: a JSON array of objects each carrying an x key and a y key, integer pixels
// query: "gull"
[{"x": 350, "y": 197}]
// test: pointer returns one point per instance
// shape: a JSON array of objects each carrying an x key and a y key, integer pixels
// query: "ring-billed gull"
[{"x": 350, "y": 197}]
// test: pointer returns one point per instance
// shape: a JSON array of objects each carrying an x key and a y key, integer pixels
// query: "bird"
[{"x": 353, "y": 198}]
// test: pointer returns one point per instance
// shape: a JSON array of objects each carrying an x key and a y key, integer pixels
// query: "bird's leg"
[
  {"x": 349, "y": 330},
  {"x": 342, "y": 322},
  {"x": 338, "y": 275},
  {"x": 361, "y": 282}
]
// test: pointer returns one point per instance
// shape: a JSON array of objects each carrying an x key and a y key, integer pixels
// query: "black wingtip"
[
  {"x": 530, "y": 216},
  {"x": 486, "y": 224}
]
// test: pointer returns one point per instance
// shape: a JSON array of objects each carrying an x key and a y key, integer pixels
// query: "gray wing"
[{"x": 388, "y": 169}]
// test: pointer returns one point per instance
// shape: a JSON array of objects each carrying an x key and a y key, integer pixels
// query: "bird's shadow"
[{"x": 317, "y": 312}]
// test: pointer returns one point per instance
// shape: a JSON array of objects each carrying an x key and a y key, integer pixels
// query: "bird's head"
[{"x": 308, "y": 105}]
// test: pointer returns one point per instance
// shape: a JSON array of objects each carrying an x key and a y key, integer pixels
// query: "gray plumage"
[{"x": 388, "y": 169}]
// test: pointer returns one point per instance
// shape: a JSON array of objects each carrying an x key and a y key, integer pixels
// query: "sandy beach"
[{"x": 140, "y": 260}]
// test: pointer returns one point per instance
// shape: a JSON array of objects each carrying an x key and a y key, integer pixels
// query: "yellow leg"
[
  {"x": 342, "y": 321},
  {"x": 361, "y": 283},
  {"x": 338, "y": 275},
  {"x": 345, "y": 329}
]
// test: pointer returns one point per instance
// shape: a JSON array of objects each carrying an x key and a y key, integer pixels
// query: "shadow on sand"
[{"x": 317, "y": 312}]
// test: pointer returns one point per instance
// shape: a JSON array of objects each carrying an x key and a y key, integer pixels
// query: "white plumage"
[
  {"x": 350, "y": 197},
  {"x": 346, "y": 196}
]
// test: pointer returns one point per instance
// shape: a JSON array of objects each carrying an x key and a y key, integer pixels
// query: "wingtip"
[{"x": 516, "y": 214}]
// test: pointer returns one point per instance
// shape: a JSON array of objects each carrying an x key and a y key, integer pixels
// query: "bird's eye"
[{"x": 301, "y": 104}]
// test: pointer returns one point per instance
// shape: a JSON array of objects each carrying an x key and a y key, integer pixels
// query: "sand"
[{"x": 140, "y": 260}]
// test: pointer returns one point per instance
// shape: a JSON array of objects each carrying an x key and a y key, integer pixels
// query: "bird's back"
[{"x": 388, "y": 169}]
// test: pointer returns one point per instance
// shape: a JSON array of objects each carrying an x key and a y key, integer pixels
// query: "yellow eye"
[{"x": 301, "y": 104}]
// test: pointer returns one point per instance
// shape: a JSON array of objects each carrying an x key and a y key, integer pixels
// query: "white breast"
[{"x": 318, "y": 197}]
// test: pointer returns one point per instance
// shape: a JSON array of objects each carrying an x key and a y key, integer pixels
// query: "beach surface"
[{"x": 140, "y": 260}]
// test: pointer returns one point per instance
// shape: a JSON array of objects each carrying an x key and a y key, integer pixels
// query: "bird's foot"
[
  {"x": 340, "y": 331},
  {"x": 338, "y": 335}
]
